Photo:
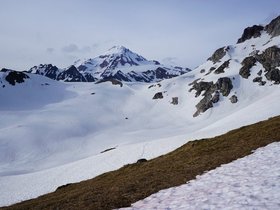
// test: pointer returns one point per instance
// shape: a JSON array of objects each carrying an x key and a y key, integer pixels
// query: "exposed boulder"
[
  {"x": 218, "y": 55},
  {"x": 233, "y": 99},
  {"x": 142, "y": 160},
  {"x": 158, "y": 95},
  {"x": 259, "y": 73},
  {"x": 251, "y": 32},
  {"x": 221, "y": 68},
  {"x": 247, "y": 64},
  {"x": 259, "y": 80},
  {"x": 273, "y": 28},
  {"x": 175, "y": 101}
]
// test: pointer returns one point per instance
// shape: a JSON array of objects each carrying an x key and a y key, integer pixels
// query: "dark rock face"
[
  {"x": 14, "y": 77},
  {"x": 273, "y": 28},
  {"x": 142, "y": 160},
  {"x": 47, "y": 70},
  {"x": 205, "y": 104},
  {"x": 224, "y": 84},
  {"x": 212, "y": 93},
  {"x": 273, "y": 75},
  {"x": 216, "y": 97},
  {"x": 221, "y": 69},
  {"x": 175, "y": 101},
  {"x": 217, "y": 55},
  {"x": 251, "y": 32},
  {"x": 158, "y": 95},
  {"x": 71, "y": 75},
  {"x": 201, "y": 86},
  {"x": 112, "y": 80},
  {"x": 233, "y": 99},
  {"x": 270, "y": 59},
  {"x": 247, "y": 64},
  {"x": 259, "y": 80}
]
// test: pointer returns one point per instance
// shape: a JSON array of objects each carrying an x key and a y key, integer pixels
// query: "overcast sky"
[{"x": 185, "y": 32}]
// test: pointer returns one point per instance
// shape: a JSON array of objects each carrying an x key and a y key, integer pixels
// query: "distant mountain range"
[{"x": 117, "y": 63}]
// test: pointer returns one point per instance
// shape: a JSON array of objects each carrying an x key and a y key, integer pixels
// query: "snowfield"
[
  {"x": 53, "y": 133},
  {"x": 251, "y": 182}
]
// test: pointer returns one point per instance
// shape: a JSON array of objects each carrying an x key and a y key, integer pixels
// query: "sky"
[{"x": 178, "y": 32}]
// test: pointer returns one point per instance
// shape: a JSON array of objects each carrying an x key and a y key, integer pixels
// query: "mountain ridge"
[{"x": 117, "y": 63}]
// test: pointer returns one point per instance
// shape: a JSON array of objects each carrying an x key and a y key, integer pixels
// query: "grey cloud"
[
  {"x": 73, "y": 48},
  {"x": 50, "y": 50},
  {"x": 170, "y": 60},
  {"x": 70, "y": 48}
]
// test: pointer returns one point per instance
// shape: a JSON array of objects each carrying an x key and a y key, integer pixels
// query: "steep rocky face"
[
  {"x": 218, "y": 55},
  {"x": 273, "y": 28},
  {"x": 47, "y": 70},
  {"x": 270, "y": 60},
  {"x": 71, "y": 75},
  {"x": 212, "y": 92},
  {"x": 251, "y": 32},
  {"x": 247, "y": 64},
  {"x": 13, "y": 77},
  {"x": 221, "y": 69}
]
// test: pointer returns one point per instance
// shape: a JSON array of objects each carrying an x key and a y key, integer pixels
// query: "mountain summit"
[{"x": 117, "y": 63}]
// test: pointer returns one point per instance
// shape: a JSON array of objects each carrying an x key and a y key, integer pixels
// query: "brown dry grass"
[{"x": 133, "y": 182}]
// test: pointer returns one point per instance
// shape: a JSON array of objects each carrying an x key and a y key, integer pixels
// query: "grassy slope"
[{"x": 136, "y": 181}]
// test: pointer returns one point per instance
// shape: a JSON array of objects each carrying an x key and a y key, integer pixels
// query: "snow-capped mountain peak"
[{"x": 118, "y": 63}]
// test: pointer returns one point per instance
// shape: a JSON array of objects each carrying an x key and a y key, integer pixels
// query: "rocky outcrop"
[
  {"x": 247, "y": 64},
  {"x": 273, "y": 28},
  {"x": 47, "y": 70},
  {"x": 216, "y": 97},
  {"x": 233, "y": 99},
  {"x": 175, "y": 101},
  {"x": 212, "y": 93},
  {"x": 224, "y": 85},
  {"x": 158, "y": 95},
  {"x": 221, "y": 69},
  {"x": 270, "y": 60},
  {"x": 14, "y": 77},
  {"x": 217, "y": 55},
  {"x": 273, "y": 75},
  {"x": 112, "y": 80},
  {"x": 71, "y": 75},
  {"x": 259, "y": 80},
  {"x": 250, "y": 32},
  {"x": 203, "y": 105}
]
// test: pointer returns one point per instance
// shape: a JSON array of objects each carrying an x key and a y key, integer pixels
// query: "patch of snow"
[{"x": 251, "y": 182}]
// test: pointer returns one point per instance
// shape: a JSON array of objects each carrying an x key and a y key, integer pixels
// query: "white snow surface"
[
  {"x": 51, "y": 135},
  {"x": 251, "y": 182}
]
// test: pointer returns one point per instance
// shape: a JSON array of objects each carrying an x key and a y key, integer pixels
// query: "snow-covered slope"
[
  {"x": 248, "y": 183},
  {"x": 62, "y": 141},
  {"x": 117, "y": 63}
]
